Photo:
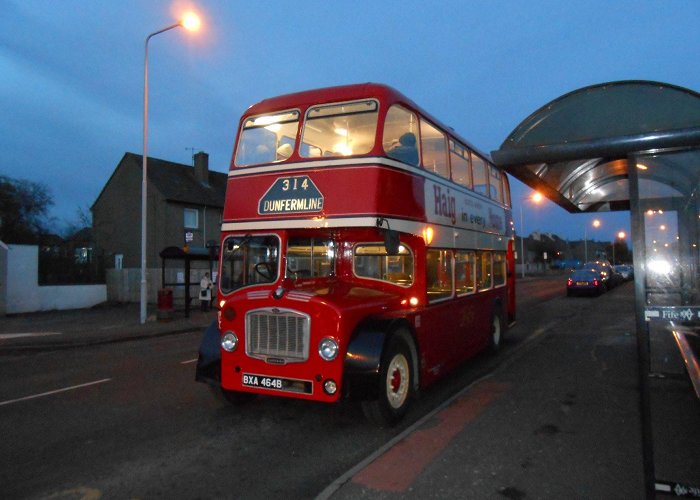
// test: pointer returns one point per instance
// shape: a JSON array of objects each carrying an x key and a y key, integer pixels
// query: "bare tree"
[{"x": 23, "y": 210}]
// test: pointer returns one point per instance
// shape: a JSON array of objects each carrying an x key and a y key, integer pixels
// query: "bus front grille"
[{"x": 279, "y": 334}]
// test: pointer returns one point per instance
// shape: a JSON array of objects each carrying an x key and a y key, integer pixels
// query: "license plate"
[
  {"x": 582, "y": 283},
  {"x": 277, "y": 383}
]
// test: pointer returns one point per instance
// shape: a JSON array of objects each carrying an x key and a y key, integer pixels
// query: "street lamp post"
[
  {"x": 620, "y": 235},
  {"x": 596, "y": 224},
  {"x": 190, "y": 22},
  {"x": 536, "y": 198}
]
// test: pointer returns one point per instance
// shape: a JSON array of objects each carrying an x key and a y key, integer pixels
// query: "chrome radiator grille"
[{"x": 281, "y": 334}]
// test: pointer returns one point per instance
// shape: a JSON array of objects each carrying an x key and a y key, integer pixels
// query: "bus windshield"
[
  {"x": 267, "y": 138},
  {"x": 340, "y": 129},
  {"x": 248, "y": 260}
]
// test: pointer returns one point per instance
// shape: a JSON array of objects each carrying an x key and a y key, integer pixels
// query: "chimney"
[{"x": 201, "y": 167}]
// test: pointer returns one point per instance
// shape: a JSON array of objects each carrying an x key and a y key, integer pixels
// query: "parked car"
[
  {"x": 626, "y": 271},
  {"x": 588, "y": 281},
  {"x": 610, "y": 278}
]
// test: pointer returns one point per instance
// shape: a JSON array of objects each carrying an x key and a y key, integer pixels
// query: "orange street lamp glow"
[
  {"x": 621, "y": 235},
  {"x": 190, "y": 21},
  {"x": 596, "y": 223},
  {"x": 537, "y": 197}
]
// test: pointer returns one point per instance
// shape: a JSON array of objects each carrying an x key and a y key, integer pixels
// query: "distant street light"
[
  {"x": 190, "y": 22},
  {"x": 596, "y": 224},
  {"x": 536, "y": 198},
  {"x": 621, "y": 235}
]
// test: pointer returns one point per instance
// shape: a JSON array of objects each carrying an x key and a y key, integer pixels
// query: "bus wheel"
[
  {"x": 231, "y": 397},
  {"x": 496, "y": 331},
  {"x": 395, "y": 383}
]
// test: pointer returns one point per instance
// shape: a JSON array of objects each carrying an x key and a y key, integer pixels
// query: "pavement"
[
  {"x": 558, "y": 418},
  {"x": 102, "y": 324}
]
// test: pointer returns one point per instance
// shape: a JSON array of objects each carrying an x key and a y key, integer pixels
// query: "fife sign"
[
  {"x": 672, "y": 313},
  {"x": 289, "y": 195}
]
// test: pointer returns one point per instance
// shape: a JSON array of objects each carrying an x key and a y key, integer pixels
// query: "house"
[{"x": 184, "y": 209}]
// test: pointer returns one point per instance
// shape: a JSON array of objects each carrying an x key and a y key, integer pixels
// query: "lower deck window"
[
  {"x": 465, "y": 267},
  {"x": 439, "y": 274},
  {"x": 310, "y": 258},
  {"x": 371, "y": 261},
  {"x": 499, "y": 269},
  {"x": 484, "y": 271}
]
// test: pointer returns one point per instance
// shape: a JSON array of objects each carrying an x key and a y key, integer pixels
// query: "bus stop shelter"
[
  {"x": 634, "y": 146},
  {"x": 208, "y": 255}
]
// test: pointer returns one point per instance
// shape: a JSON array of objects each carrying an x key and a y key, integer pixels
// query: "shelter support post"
[{"x": 642, "y": 334}]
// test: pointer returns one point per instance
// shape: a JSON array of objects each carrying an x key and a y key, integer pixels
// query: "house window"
[{"x": 191, "y": 218}]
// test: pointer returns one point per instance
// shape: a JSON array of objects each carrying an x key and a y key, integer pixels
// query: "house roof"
[{"x": 177, "y": 182}]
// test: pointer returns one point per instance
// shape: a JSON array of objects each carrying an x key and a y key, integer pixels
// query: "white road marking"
[
  {"x": 102, "y": 381},
  {"x": 188, "y": 361},
  {"x": 27, "y": 334}
]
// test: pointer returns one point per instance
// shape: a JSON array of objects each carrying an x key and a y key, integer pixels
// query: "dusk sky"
[{"x": 71, "y": 84}]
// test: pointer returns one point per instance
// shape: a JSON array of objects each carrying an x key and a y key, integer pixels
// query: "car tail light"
[
  {"x": 595, "y": 282},
  {"x": 569, "y": 282}
]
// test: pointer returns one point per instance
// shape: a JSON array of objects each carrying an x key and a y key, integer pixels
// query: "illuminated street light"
[
  {"x": 536, "y": 198},
  {"x": 190, "y": 21}
]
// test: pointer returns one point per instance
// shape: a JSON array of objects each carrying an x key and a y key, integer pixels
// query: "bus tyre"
[
  {"x": 496, "y": 336},
  {"x": 231, "y": 397},
  {"x": 395, "y": 385}
]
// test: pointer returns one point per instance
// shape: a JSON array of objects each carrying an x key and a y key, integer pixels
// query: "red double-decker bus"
[{"x": 366, "y": 251}]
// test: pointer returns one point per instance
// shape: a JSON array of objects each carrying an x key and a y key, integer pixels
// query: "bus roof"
[{"x": 349, "y": 93}]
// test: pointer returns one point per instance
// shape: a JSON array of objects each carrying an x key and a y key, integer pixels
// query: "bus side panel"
[
  {"x": 456, "y": 330},
  {"x": 510, "y": 282}
]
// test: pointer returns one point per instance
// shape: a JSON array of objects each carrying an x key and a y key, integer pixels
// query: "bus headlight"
[
  {"x": 328, "y": 349},
  {"x": 229, "y": 342},
  {"x": 330, "y": 387}
]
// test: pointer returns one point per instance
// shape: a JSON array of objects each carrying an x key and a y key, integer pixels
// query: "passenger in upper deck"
[
  {"x": 406, "y": 151},
  {"x": 284, "y": 151}
]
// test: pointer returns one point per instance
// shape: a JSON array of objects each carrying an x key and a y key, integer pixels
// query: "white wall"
[{"x": 25, "y": 295}]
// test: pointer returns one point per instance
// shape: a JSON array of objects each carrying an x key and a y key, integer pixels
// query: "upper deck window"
[
  {"x": 496, "y": 185},
  {"x": 267, "y": 138},
  {"x": 340, "y": 129},
  {"x": 434, "y": 148},
  {"x": 401, "y": 135},
  {"x": 461, "y": 169},
  {"x": 479, "y": 170}
]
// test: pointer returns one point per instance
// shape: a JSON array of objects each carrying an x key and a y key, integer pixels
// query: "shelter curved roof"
[{"x": 575, "y": 148}]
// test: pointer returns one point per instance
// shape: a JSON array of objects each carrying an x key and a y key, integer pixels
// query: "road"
[{"x": 127, "y": 420}]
